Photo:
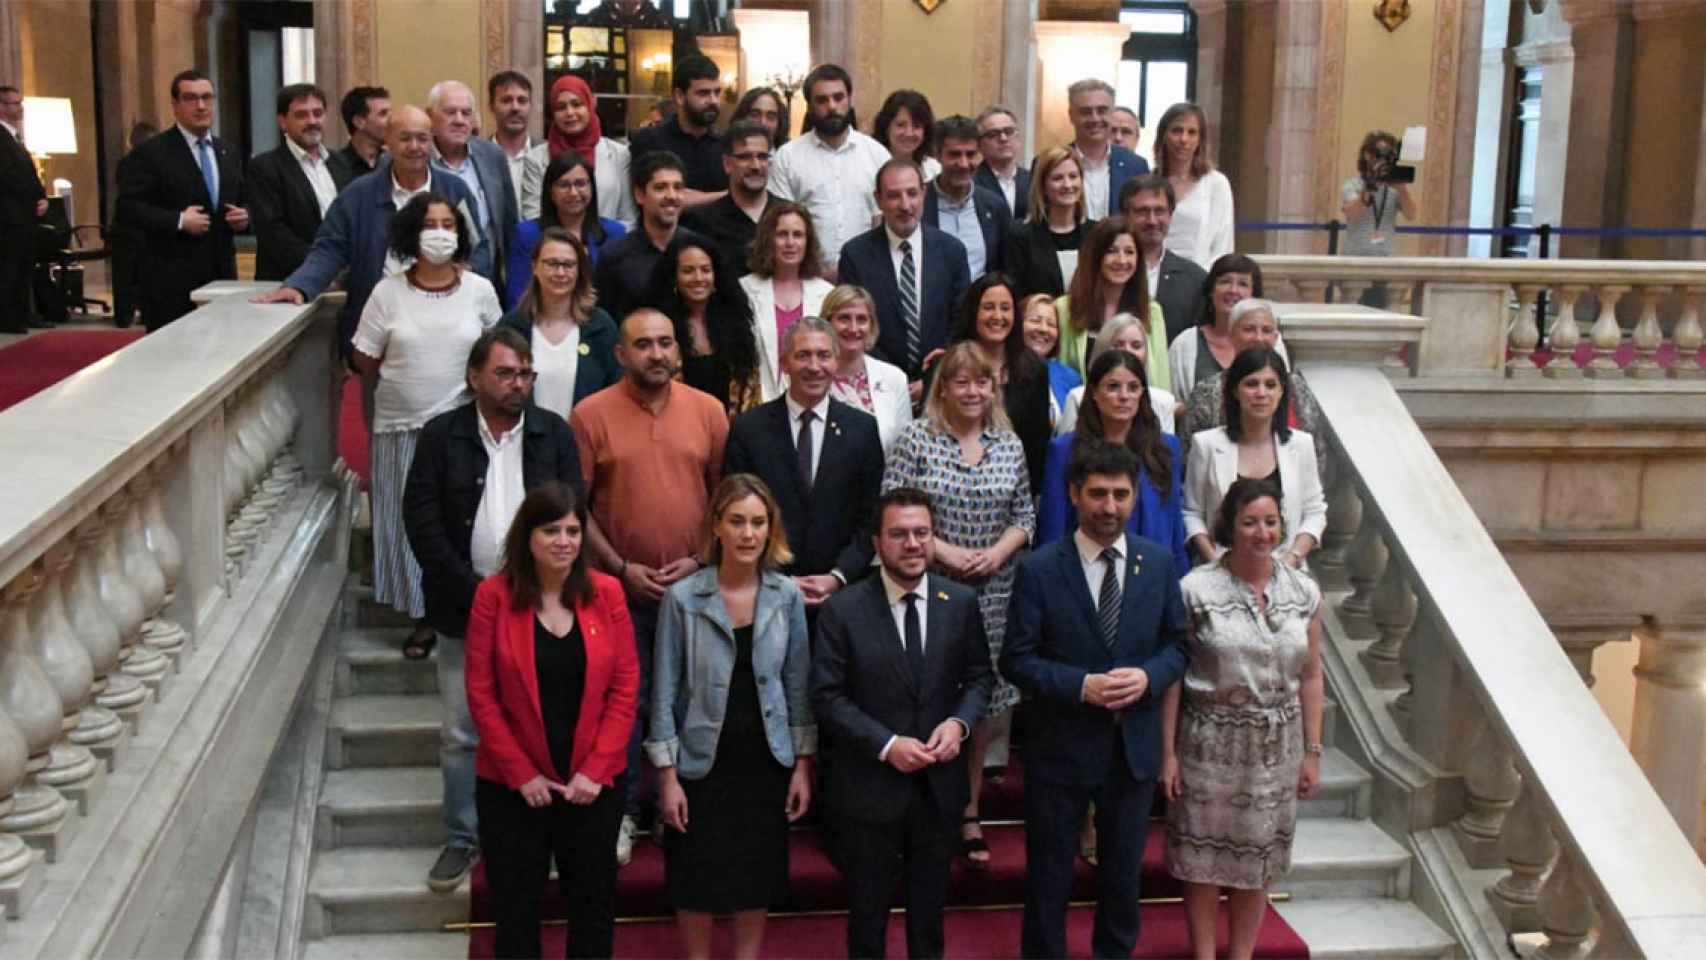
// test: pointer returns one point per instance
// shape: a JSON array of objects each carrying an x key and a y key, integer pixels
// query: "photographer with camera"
[{"x": 1373, "y": 202}]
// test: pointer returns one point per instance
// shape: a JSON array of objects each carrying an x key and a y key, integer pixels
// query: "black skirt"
[{"x": 734, "y": 855}]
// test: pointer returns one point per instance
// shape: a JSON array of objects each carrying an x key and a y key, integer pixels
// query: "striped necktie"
[
  {"x": 1108, "y": 600},
  {"x": 909, "y": 305}
]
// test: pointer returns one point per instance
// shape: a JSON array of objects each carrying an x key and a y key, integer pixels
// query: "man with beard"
[
  {"x": 691, "y": 133},
  {"x": 509, "y": 94},
  {"x": 651, "y": 453},
  {"x": 1173, "y": 281},
  {"x": 732, "y": 222},
  {"x": 957, "y": 205},
  {"x": 625, "y": 266},
  {"x": 472, "y": 468},
  {"x": 291, "y": 187},
  {"x": 367, "y": 115},
  {"x": 830, "y": 166}
]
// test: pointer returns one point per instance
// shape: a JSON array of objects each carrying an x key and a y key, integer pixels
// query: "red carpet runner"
[
  {"x": 983, "y": 919},
  {"x": 37, "y": 362}
]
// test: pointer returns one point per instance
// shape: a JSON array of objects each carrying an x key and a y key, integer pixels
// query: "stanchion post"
[
  {"x": 1545, "y": 231},
  {"x": 1333, "y": 228}
]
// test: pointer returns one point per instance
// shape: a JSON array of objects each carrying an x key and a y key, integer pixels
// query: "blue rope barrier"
[{"x": 1263, "y": 226}]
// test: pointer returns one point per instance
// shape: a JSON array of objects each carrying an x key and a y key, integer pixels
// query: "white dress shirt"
[
  {"x": 917, "y": 252},
  {"x": 17, "y": 134},
  {"x": 836, "y": 184},
  {"x": 319, "y": 177},
  {"x": 1009, "y": 187},
  {"x": 400, "y": 197},
  {"x": 1096, "y": 179},
  {"x": 1090, "y": 552},
  {"x": 517, "y": 164},
  {"x": 819, "y": 425},
  {"x": 897, "y": 595},
  {"x": 501, "y": 497}
]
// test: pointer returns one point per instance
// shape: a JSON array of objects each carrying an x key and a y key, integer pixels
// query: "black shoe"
[{"x": 451, "y": 868}]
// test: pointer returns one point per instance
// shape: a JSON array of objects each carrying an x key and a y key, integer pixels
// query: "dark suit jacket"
[
  {"x": 597, "y": 367},
  {"x": 162, "y": 178},
  {"x": 283, "y": 210},
  {"x": 1021, "y": 187},
  {"x": 442, "y": 496},
  {"x": 1179, "y": 291},
  {"x": 942, "y": 282},
  {"x": 1053, "y": 642},
  {"x": 20, "y": 188},
  {"x": 491, "y": 166},
  {"x": 992, "y": 215},
  {"x": 830, "y": 529},
  {"x": 1032, "y": 261},
  {"x": 864, "y": 692}
]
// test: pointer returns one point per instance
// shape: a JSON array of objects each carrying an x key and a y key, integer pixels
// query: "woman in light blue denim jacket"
[{"x": 732, "y": 730}]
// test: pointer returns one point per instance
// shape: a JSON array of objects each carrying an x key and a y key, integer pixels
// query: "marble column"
[
  {"x": 1668, "y": 734},
  {"x": 1069, "y": 51},
  {"x": 11, "y": 56},
  {"x": 1583, "y": 121},
  {"x": 1212, "y": 61}
]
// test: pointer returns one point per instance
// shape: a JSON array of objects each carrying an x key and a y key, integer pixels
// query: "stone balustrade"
[
  {"x": 1491, "y": 756},
  {"x": 1604, "y": 319},
  {"x": 159, "y": 513}
]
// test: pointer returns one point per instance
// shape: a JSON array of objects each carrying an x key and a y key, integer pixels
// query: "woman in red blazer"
[{"x": 552, "y": 683}]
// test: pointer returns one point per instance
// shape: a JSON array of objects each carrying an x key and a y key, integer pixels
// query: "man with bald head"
[
  {"x": 355, "y": 234},
  {"x": 482, "y": 167},
  {"x": 651, "y": 453}
]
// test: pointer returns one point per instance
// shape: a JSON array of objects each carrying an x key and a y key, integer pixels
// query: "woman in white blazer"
[
  {"x": 1258, "y": 442},
  {"x": 1202, "y": 228},
  {"x": 861, "y": 380},
  {"x": 783, "y": 286},
  {"x": 575, "y": 126}
]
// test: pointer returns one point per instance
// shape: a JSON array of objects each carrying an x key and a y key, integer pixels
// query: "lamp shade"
[{"x": 49, "y": 129}]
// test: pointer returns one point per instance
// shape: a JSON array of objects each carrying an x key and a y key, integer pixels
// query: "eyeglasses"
[
  {"x": 196, "y": 97},
  {"x": 558, "y": 266},
  {"x": 1000, "y": 133},
  {"x": 508, "y": 375}
]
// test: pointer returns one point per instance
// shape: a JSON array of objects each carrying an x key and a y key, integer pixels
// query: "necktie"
[
  {"x": 209, "y": 174},
  {"x": 914, "y": 637},
  {"x": 803, "y": 448},
  {"x": 1108, "y": 602},
  {"x": 909, "y": 305}
]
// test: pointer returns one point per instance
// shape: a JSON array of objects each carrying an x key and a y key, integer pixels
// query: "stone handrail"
[
  {"x": 1484, "y": 698},
  {"x": 1485, "y": 316},
  {"x": 161, "y": 512}
]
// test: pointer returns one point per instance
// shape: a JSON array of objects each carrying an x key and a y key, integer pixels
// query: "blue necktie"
[{"x": 209, "y": 174}]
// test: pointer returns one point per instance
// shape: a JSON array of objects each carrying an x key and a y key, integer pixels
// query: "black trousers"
[
  {"x": 518, "y": 843},
  {"x": 17, "y": 262},
  {"x": 918, "y": 846},
  {"x": 1054, "y": 816}
]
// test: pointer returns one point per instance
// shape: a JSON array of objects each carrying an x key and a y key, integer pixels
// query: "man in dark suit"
[
  {"x": 953, "y": 203},
  {"x": 292, "y": 187},
  {"x": 914, "y": 272},
  {"x": 367, "y": 118},
  {"x": 22, "y": 203},
  {"x": 1095, "y": 636},
  {"x": 802, "y": 438},
  {"x": 1001, "y": 171},
  {"x": 1175, "y": 282},
  {"x": 732, "y": 222},
  {"x": 184, "y": 190},
  {"x": 482, "y": 167},
  {"x": 900, "y": 676},
  {"x": 1106, "y": 165}
]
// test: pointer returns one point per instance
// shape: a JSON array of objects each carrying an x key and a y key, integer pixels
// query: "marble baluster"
[
  {"x": 98, "y": 630},
  {"x": 158, "y": 537},
  {"x": 1525, "y": 332},
  {"x": 1568, "y": 914},
  {"x": 1394, "y": 611},
  {"x": 1366, "y": 562},
  {"x": 73, "y": 769},
  {"x": 1491, "y": 782},
  {"x": 1687, "y": 336},
  {"x": 125, "y": 603},
  {"x": 144, "y": 569},
  {"x": 1648, "y": 336},
  {"x": 1565, "y": 336},
  {"x": 1528, "y": 847},
  {"x": 39, "y": 813},
  {"x": 1351, "y": 291},
  {"x": 1310, "y": 291},
  {"x": 1344, "y": 519},
  {"x": 20, "y": 879},
  {"x": 1606, "y": 334}
]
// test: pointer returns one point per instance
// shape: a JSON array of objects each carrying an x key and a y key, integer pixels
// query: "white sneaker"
[{"x": 625, "y": 841}]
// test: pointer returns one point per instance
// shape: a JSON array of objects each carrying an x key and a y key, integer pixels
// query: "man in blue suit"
[
  {"x": 1107, "y": 166},
  {"x": 954, "y": 203},
  {"x": 1095, "y": 636},
  {"x": 915, "y": 273}
]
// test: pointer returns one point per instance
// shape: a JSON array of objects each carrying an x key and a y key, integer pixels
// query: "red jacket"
[{"x": 503, "y": 687}]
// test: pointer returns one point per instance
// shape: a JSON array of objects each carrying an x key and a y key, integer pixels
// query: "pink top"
[{"x": 784, "y": 320}]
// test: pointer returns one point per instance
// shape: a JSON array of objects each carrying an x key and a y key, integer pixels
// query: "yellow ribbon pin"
[
  {"x": 585, "y": 350},
  {"x": 941, "y": 596}
]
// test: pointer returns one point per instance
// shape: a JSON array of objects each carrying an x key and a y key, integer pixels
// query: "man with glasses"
[
  {"x": 183, "y": 189},
  {"x": 998, "y": 138},
  {"x": 472, "y": 468},
  {"x": 733, "y": 220},
  {"x": 1106, "y": 164}
]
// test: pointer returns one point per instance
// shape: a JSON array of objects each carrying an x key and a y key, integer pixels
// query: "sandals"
[
  {"x": 420, "y": 644},
  {"x": 969, "y": 846}
]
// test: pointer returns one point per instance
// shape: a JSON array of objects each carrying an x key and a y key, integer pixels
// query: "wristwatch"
[{"x": 1315, "y": 749}]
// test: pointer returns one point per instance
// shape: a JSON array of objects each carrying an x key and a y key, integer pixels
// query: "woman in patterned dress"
[
  {"x": 1241, "y": 734},
  {"x": 964, "y": 454}
]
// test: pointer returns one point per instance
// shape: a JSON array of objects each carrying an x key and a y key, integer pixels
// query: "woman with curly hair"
[{"x": 713, "y": 322}]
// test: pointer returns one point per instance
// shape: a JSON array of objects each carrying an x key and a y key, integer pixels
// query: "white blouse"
[
  {"x": 556, "y": 364},
  {"x": 421, "y": 340},
  {"x": 1203, "y": 228}
]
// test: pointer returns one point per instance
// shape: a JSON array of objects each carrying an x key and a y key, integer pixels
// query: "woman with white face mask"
[{"x": 411, "y": 346}]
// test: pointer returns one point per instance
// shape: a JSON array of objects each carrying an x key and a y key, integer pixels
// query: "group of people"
[{"x": 734, "y": 478}]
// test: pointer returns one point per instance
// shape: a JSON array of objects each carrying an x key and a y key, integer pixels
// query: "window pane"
[
  {"x": 1128, "y": 83},
  {"x": 1153, "y": 21},
  {"x": 1166, "y": 87}
]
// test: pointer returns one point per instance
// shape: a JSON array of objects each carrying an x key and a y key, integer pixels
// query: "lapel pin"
[
  {"x": 585, "y": 350},
  {"x": 1136, "y": 567},
  {"x": 941, "y": 595}
]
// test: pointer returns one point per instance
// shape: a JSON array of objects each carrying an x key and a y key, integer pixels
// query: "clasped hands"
[
  {"x": 195, "y": 221},
  {"x": 580, "y": 791},
  {"x": 1117, "y": 689},
  {"x": 907, "y": 754}
]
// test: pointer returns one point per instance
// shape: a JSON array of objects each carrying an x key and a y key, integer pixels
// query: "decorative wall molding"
[
  {"x": 988, "y": 54},
  {"x": 1442, "y": 121},
  {"x": 867, "y": 66},
  {"x": 1329, "y": 97}
]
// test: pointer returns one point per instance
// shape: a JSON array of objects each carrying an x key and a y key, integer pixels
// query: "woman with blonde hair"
[
  {"x": 1202, "y": 228},
  {"x": 1055, "y": 225},
  {"x": 875, "y": 386},
  {"x": 966, "y": 456},
  {"x": 732, "y": 733}
]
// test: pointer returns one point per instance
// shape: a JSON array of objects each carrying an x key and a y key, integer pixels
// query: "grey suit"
[
  {"x": 502, "y": 209},
  {"x": 1179, "y": 292}
]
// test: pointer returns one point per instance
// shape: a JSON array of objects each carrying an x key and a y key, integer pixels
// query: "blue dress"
[
  {"x": 1159, "y": 520},
  {"x": 518, "y": 272}
]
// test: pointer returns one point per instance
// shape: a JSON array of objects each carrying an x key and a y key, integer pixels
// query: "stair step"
[
  {"x": 1346, "y": 789},
  {"x": 381, "y": 807},
  {"x": 370, "y": 660},
  {"x": 383, "y": 730},
  {"x": 1354, "y": 929},
  {"x": 389, "y": 946},
  {"x": 378, "y": 890},
  {"x": 1341, "y": 858}
]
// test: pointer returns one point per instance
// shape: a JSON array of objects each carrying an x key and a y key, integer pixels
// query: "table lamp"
[{"x": 49, "y": 129}]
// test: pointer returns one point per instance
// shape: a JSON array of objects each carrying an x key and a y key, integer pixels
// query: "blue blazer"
[
  {"x": 1053, "y": 643},
  {"x": 355, "y": 234},
  {"x": 1061, "y": 380},
  {"x": 518, "y": 272},
  {"x": 992, "y": 216},
  {"x": 1162, "y": 521},
  {"x": 865, "y": 261},
  {"x": 1122, "y": 166}
]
